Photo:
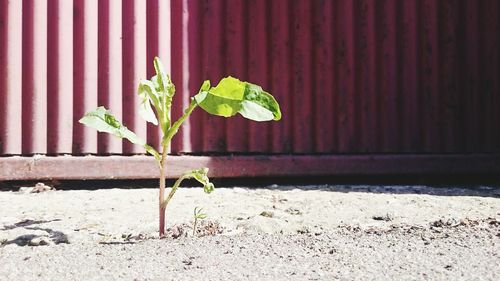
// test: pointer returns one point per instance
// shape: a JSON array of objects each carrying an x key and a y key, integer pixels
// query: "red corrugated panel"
[
  {"x": 361, "y": 76},
  {"x": 110, "y": 68},
  {"x": 301, "y": 76},
  {"x": 213, "y": 68},
  {"x": 158, "y": 44},
  {"x": 280, "y": 78},
  {"x": 489, "y": 83},
  {"x": 34, "y": 92},
  {"x": 134, "y": 67},
  {"x": 388, "y": 75},
  {"x": 410, "y": 123},
  {"x": 10, "y": 76},
  {"x": 85, "y": 74},
  {"x": 345, "y": 56},
  {"x": 323, "y": 78},
  {"x": 60, "y": 77},
  {"x": 353, "y": 77},
  {"x": 236, "y": 62},
  {"x": 366, "y": 48}
]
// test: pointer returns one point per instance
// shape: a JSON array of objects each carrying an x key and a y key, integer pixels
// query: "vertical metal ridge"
[
  {"x": 489, "y": 72},
  {"x": 496, "y": 86},
  {"x": 164, "y": 52},
  {"x": 236, "y": 60},
  {"x": 346, "y": 76},
  {"x": 388, "y": 75},
  {"x": 303, "y": 117},
  {"x": 60, "y": 77},
  {"x": 193, "y": 55},
  {"x": 34, "y": 65},
  {"x": 134, "y": 68},
  {"x": 410, "y": 118},
  {"x": 367, "y": 84},
  {"x": 179, "y": 18},
  {"x": 153, "y": 49},
  {"x": 11, "y": 77},
  {"x": 323, "y": 62},
  {"x": 430, "y": 76},
  {"x": 334, "y": 76},
  {"x": 85, "y": 52},
  {"x": 110, "y": 68},
  {"x": 280, "y": 81},
  {"x": 153, "y": 132},
  {"x": 213, "y": 69},
  {"x": 269, "y": 80},
  {"x": 471, "y": 81},
  {"x": 258, "y": 69},
  {"x": 449, "y": 91}
]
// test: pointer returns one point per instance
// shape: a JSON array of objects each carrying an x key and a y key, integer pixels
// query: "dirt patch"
[{"x": 278, "y": 233}]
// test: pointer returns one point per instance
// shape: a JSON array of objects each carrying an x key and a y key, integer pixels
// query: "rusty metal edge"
[{"x": 144, "y": 167}]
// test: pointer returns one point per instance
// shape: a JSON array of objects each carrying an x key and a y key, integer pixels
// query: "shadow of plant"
[
  {"x": 27, "y": 222},
  {"x": 53, "y": 236},
  {"x": 22, "y": 240}
]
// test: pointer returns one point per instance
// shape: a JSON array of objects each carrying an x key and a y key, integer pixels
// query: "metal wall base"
[{"x": 144, "y": 167}]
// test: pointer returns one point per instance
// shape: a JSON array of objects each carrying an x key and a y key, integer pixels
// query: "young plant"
[
  {"x": 198, "y": 215},
  {"x": 229, "y": 97}
]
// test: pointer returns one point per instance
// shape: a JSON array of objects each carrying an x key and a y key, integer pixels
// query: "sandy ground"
[{"x": 272, "y": 233}]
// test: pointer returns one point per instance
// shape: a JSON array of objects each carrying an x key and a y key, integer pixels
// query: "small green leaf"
[
  {"x": 154, "y": 80},
  {"x": 161, "y": 77},
  {"x": 103, "y": 121},
  {"x": 153, "y": 152},
  {"x": 201, "y": 176},
  {"x": 147, "y": 93},
  {"x": 205, "y": 87},
  {"x": 198, "y": 213}
]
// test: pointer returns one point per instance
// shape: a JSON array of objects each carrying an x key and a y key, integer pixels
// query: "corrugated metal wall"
[
  {"x": 413, "y": 76},
  {"x": 388, "y": 76},
  {"x": 59, "y": 59}
]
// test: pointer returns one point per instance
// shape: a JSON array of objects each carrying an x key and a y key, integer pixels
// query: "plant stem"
[
  {"x": 194, "y": 225},
  {"x": 175, "y": 127},
  {"x": 164, "y": 143},
  {"x": 162, "y": 190},
  {"x": 172, "y": 192}
]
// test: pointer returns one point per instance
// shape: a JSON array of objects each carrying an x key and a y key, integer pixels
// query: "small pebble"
[{"x": 267, "y": 214}]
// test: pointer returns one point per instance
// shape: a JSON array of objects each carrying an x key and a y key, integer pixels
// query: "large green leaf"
[
  {"x": 233, "y": 96},
  {"x": 103, "y": 121}
]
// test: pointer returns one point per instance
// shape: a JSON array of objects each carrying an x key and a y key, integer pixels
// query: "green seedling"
[
  {"x": 198, "y": 215},
  {"x": 230, "y": 97}
]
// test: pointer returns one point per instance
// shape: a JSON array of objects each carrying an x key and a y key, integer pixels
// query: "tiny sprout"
[{"x": 198, "y": 215}]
